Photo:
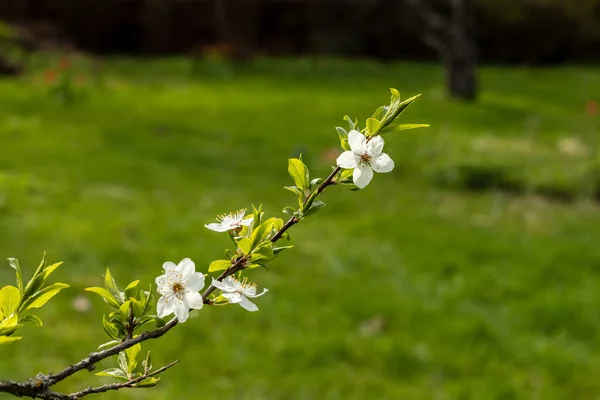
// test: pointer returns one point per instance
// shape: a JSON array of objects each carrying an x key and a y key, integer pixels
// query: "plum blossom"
[
  {"x": 365, "y": 156},
  {"x": 179, "y": 287},
  {"x": 238, "y": 292},
  {"x": 230, "y": 222}
]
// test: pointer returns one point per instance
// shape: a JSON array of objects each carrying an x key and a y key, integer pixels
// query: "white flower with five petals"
[
  {"x": 230, "y": 222},
  {"x": 365, "y": 156},
  {"x": 179, "y": 287},
  {"x": 238, "y": 292}
]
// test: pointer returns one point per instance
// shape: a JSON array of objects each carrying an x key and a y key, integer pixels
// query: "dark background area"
[{"x": 505, "y": 31}]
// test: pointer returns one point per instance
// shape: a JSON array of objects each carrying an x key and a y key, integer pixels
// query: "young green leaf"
[
  {"x": 43, "y": 296},
  {"x": 105, "y": 294},
  {"x": 8, "y": 339},
  {"x": 316, "y": 206},
  {"x": 108, "y": 344},
  {"x": 10, "y": 325},
  {"x": 9, "y": 301},
  {"x": 147, "y": 364},
  {"x": 14, "y": 263},
  {"x": 397, "y": 107},
  {"x": 380, "y": 112},
  {"x": 373, "y": 126},
  {"x": 343, "y": 135},
  {"x": 130, "y": 289},
  {"x": 111, "y": 286},
  {"x": 401, "y": 127},
  {"x": 257, "y": 213},
  {"x": 122, "y": 359},
  {"x": 353, "y": 125},
  {"x": 245, "y": 245},
  {"x": 33, "y": 319},
  {"x": 114, "y": 373},
  {"x": 299, "y": 173},
  {"x": 148, "y": 382},
  {"x": 277, "y": 250},
  {"x": 132, "y": 354},
  {"x": 263, "y": 253},
  {"x": 219, "y": 265}
]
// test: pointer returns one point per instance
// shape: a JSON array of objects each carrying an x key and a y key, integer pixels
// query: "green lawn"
[{"x": 469, "y": 272}]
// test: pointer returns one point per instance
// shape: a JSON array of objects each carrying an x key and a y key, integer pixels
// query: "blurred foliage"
[{"x": 418, "y": 288}]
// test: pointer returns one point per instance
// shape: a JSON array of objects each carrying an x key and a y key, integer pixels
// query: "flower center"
[
  {"x": 365, "y": 158},
  {"x": 178, "y": 289}
]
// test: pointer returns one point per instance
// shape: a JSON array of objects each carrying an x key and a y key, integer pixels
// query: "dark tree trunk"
[
  {"x": 451, "y": 38},
  {"x": 460, "y": 57}
]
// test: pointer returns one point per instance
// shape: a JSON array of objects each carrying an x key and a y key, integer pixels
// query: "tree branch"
[{"x": 39, "y": 387}]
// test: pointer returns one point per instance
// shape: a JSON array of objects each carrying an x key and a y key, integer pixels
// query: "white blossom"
[
  {"x": 230, "y": 222},
  {"x": 365, "y": 157},
  {"x": 179, "y": 287},
  {"x": 238, "y": 292}
]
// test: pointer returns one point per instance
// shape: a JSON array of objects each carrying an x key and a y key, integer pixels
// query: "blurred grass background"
[{"x": 469, "y": 272}]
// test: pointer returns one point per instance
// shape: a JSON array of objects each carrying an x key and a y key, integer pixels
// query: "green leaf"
[
  {"x": 380, "y": 112},
  {"x": 8, "y": 339},
  {"x": 257, "y": 213},
  {"x": 113, "y": 373},
  {"x": 296, "y": 190},
  {"x": 105, "y": 294},
  {"x": 9, "y": 301},
  {"x": 43, "y": 296},
  {"x": 147, "y": 363},
  {"x": 9, "y": 325},
  {"x": 316, "y": 206},
  {"x": 401, "y": 127},
  {"x": 397, "y": 107},
  {"x": 49, "y": 270},
  {"x": 315, "y": 182},
  {"x": 125, "y": 310},
  {"x": 14, "y": 263},
  {"x": 110, "y": 328},
  {"x": 373, "y": 126},
  {"x": 109, "y": 344},
  {"x": 148, "y": 382},
  {"x": 122, "y": 359},
  {"x": 353, "y": 125},
  {"x": 34, "y": 319},
  {"x": 136, "y": 306},
  {"x": 130, "y": 289},
  {"x": 289, "y": 211},
  {"x": 132, "y": 354},
  {"x": 111, "y": 286},
  {"x": 219, "y": 265},
  {"x": 343, "y": 135},
  {"x": 346, "y": 177},
  {"x": 245, "y": 245},
  {"x": 36, "y": 281},
  {"x": 298, "y": 172},
  {"x": 277, "y": 250},
  {"x": 263, "y": 253}
]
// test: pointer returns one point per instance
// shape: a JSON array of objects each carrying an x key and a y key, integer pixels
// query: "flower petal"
[
  {"x": 362, "y": 175},
  {"x": 162, "y": 285},
  {"x": 233, "y": 298},
  {"x": 182, "y": 309},
  {"x": 248, "y": 305},
  {"x": 348, "y": 160},
  {"x": 357, "y": 141},
  {"x": 186, "y": 267},
  {"x": 375, "y": 146},
  {"x": 253, "y": 295},
  {"x": 247, "y": 221},
  {"x": 195, "y": 282},
  {"x": 165, "y": 306},
  {"x": 383, "y": 163},
  {"x": 218, "y": 227},
  {"x": 194, "y": 300},
  {"x": 226, "y": 285},
  {"x": 169, "y": 266}
]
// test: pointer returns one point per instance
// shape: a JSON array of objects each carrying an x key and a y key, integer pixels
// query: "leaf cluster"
[
  {"x": 131, "y": 308},
  {"x": 17, "y": 302}
]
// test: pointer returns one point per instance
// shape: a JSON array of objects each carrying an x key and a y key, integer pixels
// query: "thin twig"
[{"x": 117, "y": 386}]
